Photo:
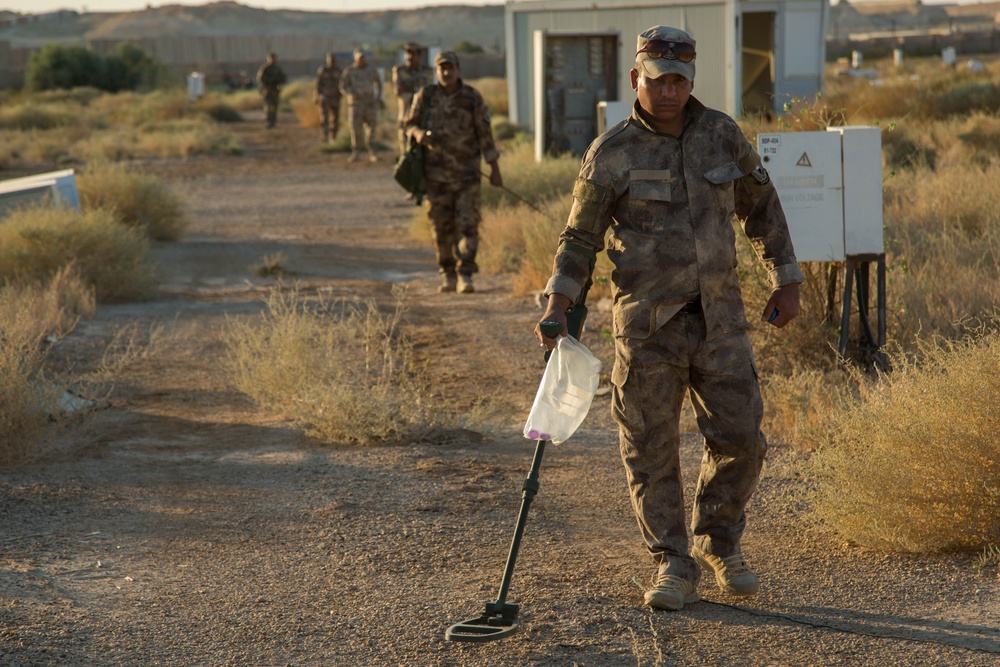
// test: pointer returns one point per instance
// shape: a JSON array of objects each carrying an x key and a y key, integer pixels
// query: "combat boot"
[
  {"x": 670, "y": 591},
  {"x": 464, "y": 285},
  {"x": 372, "y": 157},
  {"x": 449, "y": 282},
  {"x": 731, "y": 573},
  {"x": 354, "y": 157}
]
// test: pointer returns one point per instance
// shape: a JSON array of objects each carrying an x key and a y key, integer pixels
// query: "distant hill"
[
  {"x": 226, "y": 37},
  {"x": 433, "y": 26}
]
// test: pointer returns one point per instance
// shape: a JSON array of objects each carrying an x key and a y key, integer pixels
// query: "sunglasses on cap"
[{"x": 659, "y": 48}]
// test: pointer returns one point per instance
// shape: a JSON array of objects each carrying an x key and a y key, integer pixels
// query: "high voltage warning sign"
[{"x": 804, "y": 161}]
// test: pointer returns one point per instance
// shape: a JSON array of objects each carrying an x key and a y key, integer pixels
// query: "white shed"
[{"x": 566, "y": 56}]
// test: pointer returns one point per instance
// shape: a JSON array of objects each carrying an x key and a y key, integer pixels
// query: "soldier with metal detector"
[{"x": 667, "y": 182}]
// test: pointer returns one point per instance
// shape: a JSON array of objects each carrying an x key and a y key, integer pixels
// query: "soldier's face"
[
  {"x": 447, "y": 74},
  {"x": 664, "y": 97},
  {"x": 412, "y": 58},
  {"x": 360, "y": 60}
]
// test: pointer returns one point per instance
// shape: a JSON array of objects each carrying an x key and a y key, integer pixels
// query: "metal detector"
[{"x": 500, "y": 617}]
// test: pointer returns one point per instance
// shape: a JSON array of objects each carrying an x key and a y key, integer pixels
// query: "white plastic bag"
[{"x": 565, "y": 393}]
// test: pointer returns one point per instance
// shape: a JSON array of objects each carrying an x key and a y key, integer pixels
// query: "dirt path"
[{"x": 182, "y": 526}]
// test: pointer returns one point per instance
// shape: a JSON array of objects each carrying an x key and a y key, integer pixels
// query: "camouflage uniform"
[
  {"x": 363, "y": 88},
  {"x": 328, "y": 98},
  {"x": 406, "y": 82},
  {"x": 270, "y": 78},
  {"x": 679, "y": 318},
  {"x": 462, "y": 138}
]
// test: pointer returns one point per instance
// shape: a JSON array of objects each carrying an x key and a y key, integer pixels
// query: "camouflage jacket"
[
  {"x": 363, "y": 82},
  {"x": 461, "y": 134},
  {"x": 328, "y": 83},
  {"x": 406, "y": 82},
  {"x": 669, "y": 203},
  {"x": 271, "y": 76}
]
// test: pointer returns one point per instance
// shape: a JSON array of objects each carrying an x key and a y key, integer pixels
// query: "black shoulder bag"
[{"x": 409, "y": 169}]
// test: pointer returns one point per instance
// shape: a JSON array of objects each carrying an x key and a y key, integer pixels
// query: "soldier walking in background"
[
  {"x": 327, "y": 96},
  {"x": 363, "y": 87},
  {"x": 458, "y": 137},
  {"x": 407, "y": 79},
  {"x": 270, "y": 79}
]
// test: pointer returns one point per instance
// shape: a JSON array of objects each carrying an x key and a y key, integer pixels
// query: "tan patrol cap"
[
  {"x": 446, "y": 57},
  {"x": 411, "y": 46},
  {"x": 661, "y": 50}
]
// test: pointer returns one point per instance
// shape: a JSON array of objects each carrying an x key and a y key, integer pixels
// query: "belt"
[{"x": 692, "y": 307}]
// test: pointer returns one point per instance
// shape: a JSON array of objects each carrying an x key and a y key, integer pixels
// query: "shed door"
[{"x": 758, "y": 63}]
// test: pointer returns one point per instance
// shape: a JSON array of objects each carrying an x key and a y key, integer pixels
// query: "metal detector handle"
[{"x": 552, "y": 330}]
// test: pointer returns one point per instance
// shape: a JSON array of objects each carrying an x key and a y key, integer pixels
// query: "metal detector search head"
[{"x": 499, "y": 621}]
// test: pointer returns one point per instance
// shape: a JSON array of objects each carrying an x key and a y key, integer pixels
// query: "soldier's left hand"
[{"x": 785, "y": 300}]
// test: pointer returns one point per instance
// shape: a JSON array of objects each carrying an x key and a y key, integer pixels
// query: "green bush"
[{"x": 63, "y": 67}]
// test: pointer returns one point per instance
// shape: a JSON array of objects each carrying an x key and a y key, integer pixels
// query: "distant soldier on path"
[
  {"x": 270, "y": 78},
  {"x": 327, "y": 96},
  {"x": 363, "y": 87},
  {"x": 407, "y": 79},
  {"x": 458, "y": 138}
]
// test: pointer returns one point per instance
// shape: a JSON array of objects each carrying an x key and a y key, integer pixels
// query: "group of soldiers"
[{"x": 361, "y": 84}]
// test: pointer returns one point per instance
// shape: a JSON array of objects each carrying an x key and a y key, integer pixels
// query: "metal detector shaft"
[
  {"x": 515, "y": 195},
  {"x": 530, "y": 488}
]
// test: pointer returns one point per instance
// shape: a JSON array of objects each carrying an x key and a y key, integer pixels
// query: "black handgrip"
[{"x": 550, "y": 329}]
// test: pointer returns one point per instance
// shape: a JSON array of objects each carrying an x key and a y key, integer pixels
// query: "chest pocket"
[
  {"x": 649, "y": 199},
  {"x": 721, "y": 182}
]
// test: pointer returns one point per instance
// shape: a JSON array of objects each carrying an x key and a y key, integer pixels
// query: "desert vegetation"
[{"x": 926, "y": 425}]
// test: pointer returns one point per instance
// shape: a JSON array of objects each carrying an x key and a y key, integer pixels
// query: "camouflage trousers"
[
  {"x": 363, "y": 116},
  {"x": 403, "y": 104},
  {"x": 651, "y": 378},
  {"x": 272, "y": 96},
  {"x": 329, "y": 108},
  {"x": 453, "y": 209}
]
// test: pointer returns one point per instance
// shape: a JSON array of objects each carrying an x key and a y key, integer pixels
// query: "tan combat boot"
[
  {"x": 449, "y": 283},
  {"x": 465, "y": 284},
  {"x": 354, "y": 157},
  {"x": 671, "y": 592},
  {"x": 731, "y": 573}
]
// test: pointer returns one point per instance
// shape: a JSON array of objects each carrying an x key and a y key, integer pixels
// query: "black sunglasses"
[{"x": 659, "y": 48}]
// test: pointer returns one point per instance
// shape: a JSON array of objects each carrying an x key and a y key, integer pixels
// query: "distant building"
[{"x": 565, "y": 56}]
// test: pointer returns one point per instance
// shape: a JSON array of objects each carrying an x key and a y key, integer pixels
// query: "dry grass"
[
  {"x": 924, "y": 437},
  {"x": 341, "y": 369},
  {"x": 139, "y": 200},
  {"x": 29, "y": 397},
  {"x": 84, "y": 125},
  {"x": 39, "y": 243}
]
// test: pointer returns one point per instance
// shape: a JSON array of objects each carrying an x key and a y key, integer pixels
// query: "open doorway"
[{"x": 758, "y": 63}]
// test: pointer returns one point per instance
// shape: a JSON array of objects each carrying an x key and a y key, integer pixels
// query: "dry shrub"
[
  {"x": 139, "y": 200},
  {"x": 494, "y": 92},
  {"x": 341, "y": 369},
  {"x": 912, "y": 465},
  {"x": 38, "y": 243},
  {"x": 531, "y": 181},
  {"x": 29, "y": 398},
  {"x": 244, "y": 100},
  {"x": 941, "y": 246},
  {"x": 306, "y": 111}
]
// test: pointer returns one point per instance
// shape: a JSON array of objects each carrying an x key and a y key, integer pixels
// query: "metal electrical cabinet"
[
  {"x": 830, "y": 185},
  {"x": 572, "y": 73}
]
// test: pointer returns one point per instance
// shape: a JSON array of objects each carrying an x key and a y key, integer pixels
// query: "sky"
[{"x": 37, "y": 6}]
